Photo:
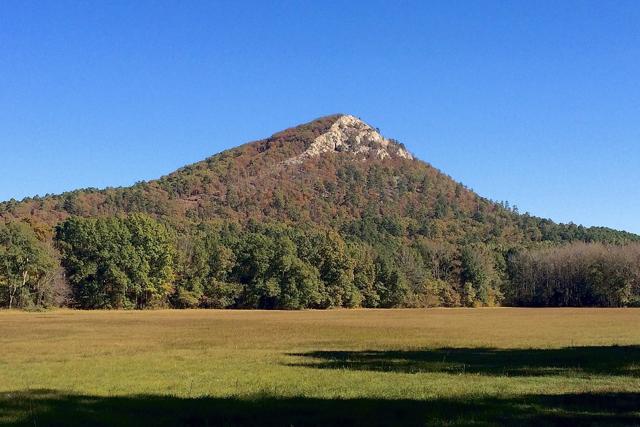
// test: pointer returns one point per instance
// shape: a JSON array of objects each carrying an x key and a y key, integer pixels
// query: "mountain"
[
  {"x": 326, "y": 214},
  {"x": 335, "y": 171}
]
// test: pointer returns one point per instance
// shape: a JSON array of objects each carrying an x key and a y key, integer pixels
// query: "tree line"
[
  {"x": 136, "y": 261},
  {"x": 576, "y": 275}
]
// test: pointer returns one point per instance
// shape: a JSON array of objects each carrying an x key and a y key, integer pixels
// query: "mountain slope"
[
  {"x": 326, "y": 214},
  {"x": 336, "y": 172}
]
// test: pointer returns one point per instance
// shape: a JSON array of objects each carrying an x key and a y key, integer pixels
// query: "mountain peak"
[{"x": 350, "y": 134}]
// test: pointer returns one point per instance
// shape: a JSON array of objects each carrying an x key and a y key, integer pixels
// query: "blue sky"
[{"x": 537, "y": 102}]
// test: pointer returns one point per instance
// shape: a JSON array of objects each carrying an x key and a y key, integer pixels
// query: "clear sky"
[{"x": 537, "y": 103}]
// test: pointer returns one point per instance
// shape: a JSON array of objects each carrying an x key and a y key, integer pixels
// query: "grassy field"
[{"x": 348, "y": 367}]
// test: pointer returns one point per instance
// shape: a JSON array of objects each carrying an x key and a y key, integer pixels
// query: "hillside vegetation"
[{"x": 326, "y": 214}]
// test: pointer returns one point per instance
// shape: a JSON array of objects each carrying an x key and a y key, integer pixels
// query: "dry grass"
[{"x": 433, "y": 357}]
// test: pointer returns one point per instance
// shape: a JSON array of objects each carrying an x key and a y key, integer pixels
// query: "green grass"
[{"x": 348, "y": 367}]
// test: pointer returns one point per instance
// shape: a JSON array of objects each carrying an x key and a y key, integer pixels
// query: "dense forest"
[{"x": 327, "y": 214}]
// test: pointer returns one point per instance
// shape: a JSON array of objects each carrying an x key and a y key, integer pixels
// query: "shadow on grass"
[
  {"x": 48, "y": 408},
  {"x": 613, "y": 360}
]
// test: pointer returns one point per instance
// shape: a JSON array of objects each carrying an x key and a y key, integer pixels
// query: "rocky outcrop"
[{"x": 352, "y": 135}]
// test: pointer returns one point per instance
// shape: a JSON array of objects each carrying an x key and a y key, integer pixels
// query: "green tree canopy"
[
  {"x": 27, "y": 267},
  {"x": 117, "y": 262}
]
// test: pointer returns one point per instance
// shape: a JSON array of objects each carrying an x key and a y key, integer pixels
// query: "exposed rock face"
[{"x": 352, "y": 135}]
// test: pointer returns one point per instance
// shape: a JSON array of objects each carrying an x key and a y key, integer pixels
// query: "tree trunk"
[{"x": 12, "y": 292}]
